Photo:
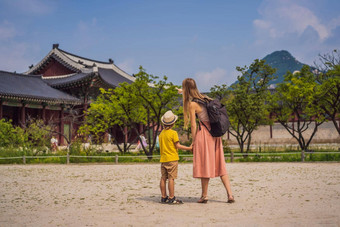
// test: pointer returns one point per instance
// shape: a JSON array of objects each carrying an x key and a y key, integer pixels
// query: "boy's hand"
[{"x": 191, "y": 147}]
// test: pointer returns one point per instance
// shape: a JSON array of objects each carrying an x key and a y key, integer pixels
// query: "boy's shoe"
[
  {"x": 174, "y": 201},
  {"x": 164, "y": 200}
]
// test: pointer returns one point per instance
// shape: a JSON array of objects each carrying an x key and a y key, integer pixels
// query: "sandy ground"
[{"x": 267, "y": 194}]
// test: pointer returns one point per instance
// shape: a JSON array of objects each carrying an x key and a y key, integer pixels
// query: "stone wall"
[
  {"x": 280, "y": 136},
  {"x": 326, "y": 134}
]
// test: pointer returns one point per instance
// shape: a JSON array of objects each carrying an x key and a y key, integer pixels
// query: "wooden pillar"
[
  {"x": 228, "y": 134},
  {"x": 0, "y": 109},
  {"x": 23, "y": 113},
  {"x": 43, "y": 112},
  {"x": 86, "y": 99},
  {"x": 61, "y": 126}
]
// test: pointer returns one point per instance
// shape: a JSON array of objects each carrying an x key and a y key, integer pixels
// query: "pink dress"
[{"x": 208, "y": 158}]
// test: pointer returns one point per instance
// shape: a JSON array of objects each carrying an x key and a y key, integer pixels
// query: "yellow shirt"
[{"x": 167, "y": 140}]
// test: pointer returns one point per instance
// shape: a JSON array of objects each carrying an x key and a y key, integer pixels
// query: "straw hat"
[{"x": 169, "y": 118}]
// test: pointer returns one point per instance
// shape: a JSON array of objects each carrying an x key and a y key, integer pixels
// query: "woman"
[
  {"x": 139, "y": 144},
  {"x": 208, "y": 161}
]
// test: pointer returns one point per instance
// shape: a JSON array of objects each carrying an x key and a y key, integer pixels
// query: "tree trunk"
[
  {"x": 249, "y": 141},
  {"x": 336, "y": 125}
]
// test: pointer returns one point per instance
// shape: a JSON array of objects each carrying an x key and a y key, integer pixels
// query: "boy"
[{"x": 169, "y": 143}]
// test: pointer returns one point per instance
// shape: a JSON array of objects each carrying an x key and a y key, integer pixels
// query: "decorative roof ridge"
[
  {"x": 58, "y": 56},
  {"x": 41, "y": 98},
  {"x": 67, "y": 60},
  {"x": 70, "y": 60},
  {"x": 87, "y": 59},
  {"x": 35, "y": 67},
  {"x": 79, "y": 79},
  {"x": 100, "y": 64},
  {"x": 58, "y": 77},
  {"x": 20, "y": 74},
  {"x": 123, "y": 73}
]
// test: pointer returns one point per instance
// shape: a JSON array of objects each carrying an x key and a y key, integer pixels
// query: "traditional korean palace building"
[{"x": 59, "y": 88}]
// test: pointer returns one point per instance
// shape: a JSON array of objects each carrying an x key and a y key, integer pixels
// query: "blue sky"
[{"x": 201, "y": 39}]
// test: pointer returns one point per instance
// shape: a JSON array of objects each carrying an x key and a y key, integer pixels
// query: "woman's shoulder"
[{"x": 196, "y": 106}]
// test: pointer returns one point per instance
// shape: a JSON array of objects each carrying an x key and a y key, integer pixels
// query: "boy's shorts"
[{"x": 169, "y": 169}]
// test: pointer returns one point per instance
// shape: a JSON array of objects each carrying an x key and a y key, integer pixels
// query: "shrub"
[{"x": 11, "y": 136}]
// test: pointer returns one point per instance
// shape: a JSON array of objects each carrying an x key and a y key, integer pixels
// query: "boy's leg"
[
  {"x": 171, "y": 186},
  {"x": 162, "y": 183},
  {"x": 172, "y": 173},
  {"x": 163, "y": 187}
]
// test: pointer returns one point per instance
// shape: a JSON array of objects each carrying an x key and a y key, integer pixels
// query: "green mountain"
[{"x": 282, "y": 61}]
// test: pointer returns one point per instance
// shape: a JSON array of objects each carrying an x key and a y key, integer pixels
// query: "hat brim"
[{"x": 171, "y": 122}]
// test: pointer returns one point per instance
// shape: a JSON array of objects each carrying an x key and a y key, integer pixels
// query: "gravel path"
[{"x": 266, "y": 194}]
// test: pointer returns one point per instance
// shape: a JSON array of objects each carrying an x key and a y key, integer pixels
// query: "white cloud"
[
  {"x": 282, "y": 18},
  {"x": 206, "y": 80}
]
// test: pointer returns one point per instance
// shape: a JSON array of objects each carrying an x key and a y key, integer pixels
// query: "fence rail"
[{"x": 187, "y": 157}]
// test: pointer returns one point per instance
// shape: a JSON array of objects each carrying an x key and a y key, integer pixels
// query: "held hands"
[{"x": 191, "y": 147}]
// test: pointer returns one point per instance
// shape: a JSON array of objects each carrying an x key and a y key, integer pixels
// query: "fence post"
[
  {"x": 68, "y": 158},
  {"x": 24, "y": 159},
  {"x": 231, "y": 156},
  {"x": 116, "y": 159},
  {"x": 302, "y": 156}
]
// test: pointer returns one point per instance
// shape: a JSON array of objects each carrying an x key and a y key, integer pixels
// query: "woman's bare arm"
[{"x": 193, "y": 109}]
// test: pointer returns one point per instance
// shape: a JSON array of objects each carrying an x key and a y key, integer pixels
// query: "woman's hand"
[{"x": 180, "y": 91}]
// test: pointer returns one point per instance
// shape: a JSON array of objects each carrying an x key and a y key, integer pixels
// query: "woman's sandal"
[
  {"x": 231, "y": 200},
  {"x": 174, "y": 201},
  {"x": 203, "y": 199}
]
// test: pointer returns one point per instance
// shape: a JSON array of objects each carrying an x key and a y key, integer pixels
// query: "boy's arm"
[{"x": 182, "y": 147}]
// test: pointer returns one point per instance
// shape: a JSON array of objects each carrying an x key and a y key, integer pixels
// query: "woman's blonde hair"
[{"x": 190, "y": 92}]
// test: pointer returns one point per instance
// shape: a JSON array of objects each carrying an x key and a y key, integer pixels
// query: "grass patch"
[{"x": 84, "y": 156}]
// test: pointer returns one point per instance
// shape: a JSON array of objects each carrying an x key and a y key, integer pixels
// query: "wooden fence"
[{"x": 232, "y": 156}]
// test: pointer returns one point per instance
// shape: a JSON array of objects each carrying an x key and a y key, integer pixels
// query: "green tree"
[
  {"x": 157, "y": 96},
  {"x": 11, "y": 136},
  {"x": 246, "y": 102},
  {"x": 328, "y": 87},
  {"x": 38, "y": 134},
  {"x": 117, "y": 107},
  {"x": 220, "y": 92},
  {"x": 294, "y": 101},
  {"x": 142, "y": 102}
]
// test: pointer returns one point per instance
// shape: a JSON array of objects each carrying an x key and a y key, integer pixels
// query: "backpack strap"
[
  {"x": 199, "y": 101},
  {"x": 199, "y": 125}
]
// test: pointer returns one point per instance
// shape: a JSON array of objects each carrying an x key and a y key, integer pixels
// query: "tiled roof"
[
  {"x": 66, "y": 80},
  {"x": 108, "y": 76},
  {"x": 79, "y": 64},
  {"x": 111, "y": 77},
  {"x": 32, "y": 88}
]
